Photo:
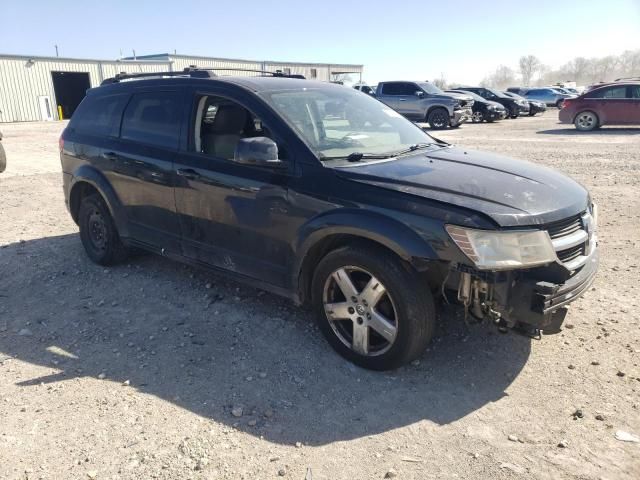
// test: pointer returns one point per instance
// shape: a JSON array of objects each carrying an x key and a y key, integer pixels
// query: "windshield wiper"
[
  {"x": 357, "y": 156},
  {"x": 412, "y": 148}
]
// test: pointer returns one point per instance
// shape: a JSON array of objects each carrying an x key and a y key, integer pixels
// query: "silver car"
[{"x": 548, "y": 96}]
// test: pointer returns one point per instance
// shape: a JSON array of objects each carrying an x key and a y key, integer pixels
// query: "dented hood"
[{"x": 511, "y": 192}]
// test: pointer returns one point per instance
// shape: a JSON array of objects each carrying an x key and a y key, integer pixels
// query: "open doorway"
[{"x": 70, "y": 88}]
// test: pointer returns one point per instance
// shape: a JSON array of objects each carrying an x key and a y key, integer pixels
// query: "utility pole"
[{"x": 56, "y": 50}]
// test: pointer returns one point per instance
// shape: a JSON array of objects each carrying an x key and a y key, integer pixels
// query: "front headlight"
[{"x": 495, "y": 250}]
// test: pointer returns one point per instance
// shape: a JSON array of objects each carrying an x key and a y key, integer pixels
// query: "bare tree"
[
  {"x": 529, "y": 66},
  {"x": 503, "y": 77},
  {"x": 441, "y": 82}
]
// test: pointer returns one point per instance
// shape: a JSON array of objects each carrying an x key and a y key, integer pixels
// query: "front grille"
[
  {"x": 570, "y": 238},
  {"x": 565, "y": 227},
  {"x": 571, "y": 253}
]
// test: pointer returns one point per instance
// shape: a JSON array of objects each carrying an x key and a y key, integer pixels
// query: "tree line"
[{"x": 584, "y": 71}]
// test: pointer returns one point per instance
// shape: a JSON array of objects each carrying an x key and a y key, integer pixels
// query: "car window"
[
  {"x": 99, "y": 115},
  {"x": 221, "y": 123},
  {"x": 153, "y": 118},
  {"x": 337, "y": 122},
  {"x": 635, "y": 91},
  {"x": 399, "y": 88},
  {"x": 610, "y": 92}
]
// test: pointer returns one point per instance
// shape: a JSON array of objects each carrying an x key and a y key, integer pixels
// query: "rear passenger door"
[
  {"x": 613, "y": 106},
  {"x": 141, "y": 166},
  {"x": 389, "y": 94}
]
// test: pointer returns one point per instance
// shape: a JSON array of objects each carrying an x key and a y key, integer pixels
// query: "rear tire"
[
  {"x": 438, "y": 118},
  {"x": 586, "y": 121},
  {"x": 98, "y": 232},
  {"x": 387, "y": 316}
]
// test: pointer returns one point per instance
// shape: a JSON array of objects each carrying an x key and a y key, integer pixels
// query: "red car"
[{"x": 610, "y": 104}]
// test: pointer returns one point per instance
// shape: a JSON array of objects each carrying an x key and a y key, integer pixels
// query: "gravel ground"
[{"x": 157, "y": 370}]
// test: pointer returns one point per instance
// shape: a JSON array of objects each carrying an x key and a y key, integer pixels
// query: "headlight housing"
[{"x": 496, "y": 250}]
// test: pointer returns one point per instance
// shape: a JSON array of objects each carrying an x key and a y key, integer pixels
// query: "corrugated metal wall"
[{"x": 24, "y": 79}]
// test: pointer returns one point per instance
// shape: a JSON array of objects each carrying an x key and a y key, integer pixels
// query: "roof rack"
[{"x": 193, "y": 72}]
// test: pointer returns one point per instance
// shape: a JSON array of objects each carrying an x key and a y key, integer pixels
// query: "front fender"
[
  {"x": 391, "y": 233},
  {"x": 90, "y": 175}
]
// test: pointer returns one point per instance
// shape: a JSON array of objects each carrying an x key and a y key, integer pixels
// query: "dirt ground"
[{"x": 157, "y": 370}]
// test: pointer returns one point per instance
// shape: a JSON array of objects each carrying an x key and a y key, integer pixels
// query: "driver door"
[{"x": 232, "y": 216}]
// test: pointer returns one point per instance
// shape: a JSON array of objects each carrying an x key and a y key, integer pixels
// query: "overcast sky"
[{"x": 393, "y": 39}]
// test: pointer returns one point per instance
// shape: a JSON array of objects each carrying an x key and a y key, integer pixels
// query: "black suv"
[
  {"x": 513, "y": 106},
  {"x": 330, "y": 198}
]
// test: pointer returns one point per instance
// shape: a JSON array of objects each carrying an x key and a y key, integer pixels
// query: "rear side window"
[
  {"x": 399, "y": 88},
  {"x": 99, "y": 115},
  {"x": 635, "y": 91},
  {"x": 612, "y": 92},
  {"x": 153, "y": 118}
]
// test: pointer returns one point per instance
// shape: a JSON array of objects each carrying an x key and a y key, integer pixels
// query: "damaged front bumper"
[{"x": 537, "y": 297}]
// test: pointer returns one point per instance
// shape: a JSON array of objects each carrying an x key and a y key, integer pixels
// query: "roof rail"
[
  {"x": 626, "y": 78},
  {"x": 187, "y": 72},
  {"x": 194, "y": 72},
  {"x": 277, "y": 73}
]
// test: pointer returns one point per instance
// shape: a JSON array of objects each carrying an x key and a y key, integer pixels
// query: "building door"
[
  {"x": 46, "y": 110},
  {"x": 70, "y": 88}
]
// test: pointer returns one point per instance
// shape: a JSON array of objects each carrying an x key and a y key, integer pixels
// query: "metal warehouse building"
[{"x": 36, "y": 88}]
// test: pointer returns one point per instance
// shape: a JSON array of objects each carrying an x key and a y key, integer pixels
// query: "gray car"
[
  {"x": 3, "y": 157},
  {"x": 424, "y": 102},
  {"x": 548, "y": 96}
]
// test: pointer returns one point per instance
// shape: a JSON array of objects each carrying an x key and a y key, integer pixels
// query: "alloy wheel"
[
  {"x": 360, "y": 310},
  {"x": 586, "y": 121},
  {"x": 476, "y": 117}
]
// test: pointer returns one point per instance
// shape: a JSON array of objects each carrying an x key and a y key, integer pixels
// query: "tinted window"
[
  {"x": 153, "y": 118},
  {"x": 99, "y": 115},
  {"x": 611, "y": 92},
  {"x": 635, "y": 91},
  {"x": 399, "y": 88}
]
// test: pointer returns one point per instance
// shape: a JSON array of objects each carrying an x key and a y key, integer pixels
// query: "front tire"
[
  {"x": 438, "y": 118},
  {"x": 373, "y": 309},
  {"x": 586, "y": 121},
  {"x": 477, "y": 117},
  {"x": 98, "y": 232}
]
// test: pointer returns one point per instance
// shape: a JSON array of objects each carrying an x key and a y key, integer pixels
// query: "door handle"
[
  {"x": 403, "y": 99},
  {"x": 110, "y": 156},
  {"x": 189, "y": 173}
]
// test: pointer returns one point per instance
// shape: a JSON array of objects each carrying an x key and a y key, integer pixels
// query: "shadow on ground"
[
  {"x": 155, "y": 323},
  {"x": 570, "y": 130}
]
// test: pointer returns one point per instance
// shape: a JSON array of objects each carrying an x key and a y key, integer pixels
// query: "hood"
[
  {"x": 460, "y": 96},
  {"x": 511, "y": 192},
  {"x": 495, "y": 104}
]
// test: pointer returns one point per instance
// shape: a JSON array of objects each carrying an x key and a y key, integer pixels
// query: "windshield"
[
  {"x": 429, "y": 88},
  {"x": 337, "y": 122}
]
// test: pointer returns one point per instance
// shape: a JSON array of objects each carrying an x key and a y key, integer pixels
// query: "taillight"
[{"x": 565, "y": 103}]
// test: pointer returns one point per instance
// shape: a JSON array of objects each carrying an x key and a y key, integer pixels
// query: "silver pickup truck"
[{"x": 424, "y": 102}]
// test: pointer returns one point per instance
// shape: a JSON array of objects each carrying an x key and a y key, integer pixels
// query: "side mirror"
[
  {"x": 260, "y": 151},
  {"x": 419, "y": 94}
]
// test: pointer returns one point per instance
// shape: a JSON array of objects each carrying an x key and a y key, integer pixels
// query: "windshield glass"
[
  {"x": 429, "y": 88},
  {"x": 338, "y": 122}
]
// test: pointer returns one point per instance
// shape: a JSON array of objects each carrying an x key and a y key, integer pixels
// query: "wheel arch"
[
  {"x": 329, "y": 232},
  {"x": 86, "y": 181}
]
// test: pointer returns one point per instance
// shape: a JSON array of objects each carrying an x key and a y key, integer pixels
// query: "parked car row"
[
  {"x": 550, "y": 96},
  {"x": 422, "y": 101}
]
